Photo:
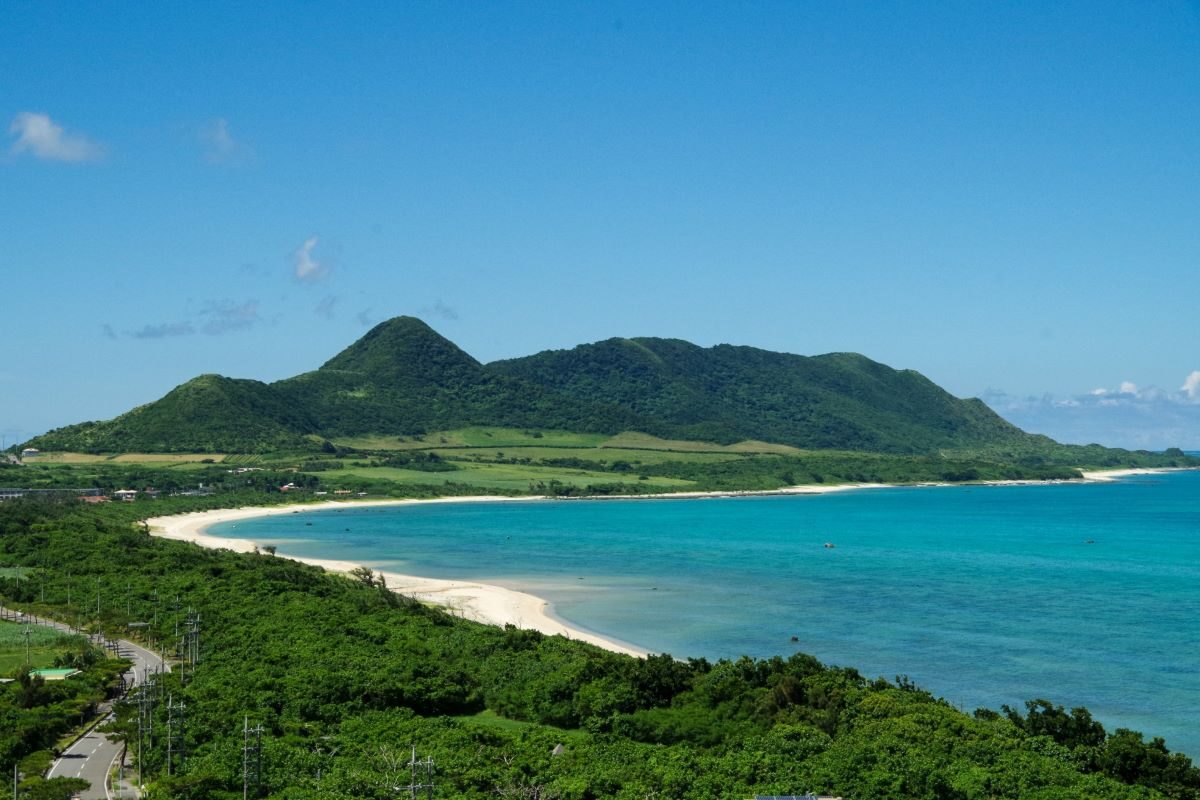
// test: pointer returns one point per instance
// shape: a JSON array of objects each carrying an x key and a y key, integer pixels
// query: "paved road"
[{"x": 91, "y": 757}]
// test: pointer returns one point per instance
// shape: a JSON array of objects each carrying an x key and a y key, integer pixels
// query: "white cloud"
[
  {"x": 219, "y": 145},
  {"x": 307, "y": 268},
  {"x": 1133, "y": 416},
  {"x": 1191, "y": 386},
  {"x": 41, "y": 137}
]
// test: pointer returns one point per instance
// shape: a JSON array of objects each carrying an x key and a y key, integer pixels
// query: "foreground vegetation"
[{"x": 346, "y": 678}]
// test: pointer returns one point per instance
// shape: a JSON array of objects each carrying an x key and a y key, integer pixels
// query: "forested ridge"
[
  {"x": 403, "y": 379},
  {"x": 347, "y": 677}
]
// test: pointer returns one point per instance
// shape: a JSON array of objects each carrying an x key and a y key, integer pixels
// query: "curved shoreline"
[{"x": 481, "y": 602}]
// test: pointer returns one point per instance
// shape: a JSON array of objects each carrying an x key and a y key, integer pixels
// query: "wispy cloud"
[
  {"x": 325, "y": 308},
  {"x": 41, "y": 137},
  {"x": 164, "y": 330},
  {"x": 364, "y": 318},
  {"x": 108, "y": 331},
  {"x": 215, "y": 319},
  {"x": 307, "y": 269},
  {"x": 221, "y": 318},
  {"x": 440, "y": 309},
  {"x": 219, "y": 145}
]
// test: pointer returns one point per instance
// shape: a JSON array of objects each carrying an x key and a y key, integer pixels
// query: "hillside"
[
  {"x": 208, "y": 414},
  {"x": 726, "y": 394},
  {"x": 404, "y": 379}
]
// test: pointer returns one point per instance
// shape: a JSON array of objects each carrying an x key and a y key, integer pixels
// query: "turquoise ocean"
[{"x": 984, "y": 595}]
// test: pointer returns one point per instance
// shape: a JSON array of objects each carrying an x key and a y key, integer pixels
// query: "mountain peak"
[{"x": 401, "y": 345}]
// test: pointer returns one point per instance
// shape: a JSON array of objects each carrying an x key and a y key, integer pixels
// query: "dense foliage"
[
  {"x": 726, "y": 394},
  {"x": 347, "y": 677},
  {"x": 403, "y": 378}
]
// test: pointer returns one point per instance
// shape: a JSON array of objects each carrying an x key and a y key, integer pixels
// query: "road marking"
[{"x": 108, "y": 773}]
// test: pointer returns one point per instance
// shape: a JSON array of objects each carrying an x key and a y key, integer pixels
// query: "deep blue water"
[{"x": 1081, "y": 594}]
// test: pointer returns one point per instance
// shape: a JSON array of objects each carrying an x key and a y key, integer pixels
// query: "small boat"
[{"x": 830, "y": 545}]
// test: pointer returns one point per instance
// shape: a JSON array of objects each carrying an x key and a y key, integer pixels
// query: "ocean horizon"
[{"x": 1081, "y": 594}]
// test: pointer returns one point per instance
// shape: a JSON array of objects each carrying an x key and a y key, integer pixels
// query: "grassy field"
[
  {"x": 512, "y": 477},
  {"x": 508, "y": 438},
  {"x": 44, "y": 645},
  {"x": 475, "y": 437},
  {"x": 490, "y": 720},
  {"x": 597, "y": 454},
  {"x": 644, "y": 441},
  {"x": 156, "y": 459}
]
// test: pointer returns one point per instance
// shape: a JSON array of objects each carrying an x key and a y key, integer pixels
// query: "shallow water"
[{"x": 1081, "y": 594}]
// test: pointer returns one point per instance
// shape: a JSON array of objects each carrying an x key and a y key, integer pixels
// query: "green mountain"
[
  {"x": 403, "y": 378},
  {"x": 207, "y": 414},
  {"x": 726, "y": 394}
]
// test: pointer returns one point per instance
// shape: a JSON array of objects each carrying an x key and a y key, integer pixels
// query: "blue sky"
[{"x": 1002, "y": 196}]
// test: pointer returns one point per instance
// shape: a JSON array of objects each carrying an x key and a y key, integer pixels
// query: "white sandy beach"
[
  {"x": 1116, "y": 474},
  {"x": 491, "y": 605}
]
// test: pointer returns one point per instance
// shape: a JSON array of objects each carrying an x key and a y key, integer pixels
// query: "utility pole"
[
  {"x": 251, "y": 759},
  {"x": 28, "y": 632},
  {"x": 97, "y": 597},
  {"x": 415, "y": 788},
  {"x": 189, "y": 644},
  {"x": 145, "y": 721},
  {"x": 175, "y": 728}
]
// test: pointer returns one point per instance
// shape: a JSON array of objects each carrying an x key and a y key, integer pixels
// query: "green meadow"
[
  {"x": 45, "y": 644},
  {"x": 507, "y": 477}
]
